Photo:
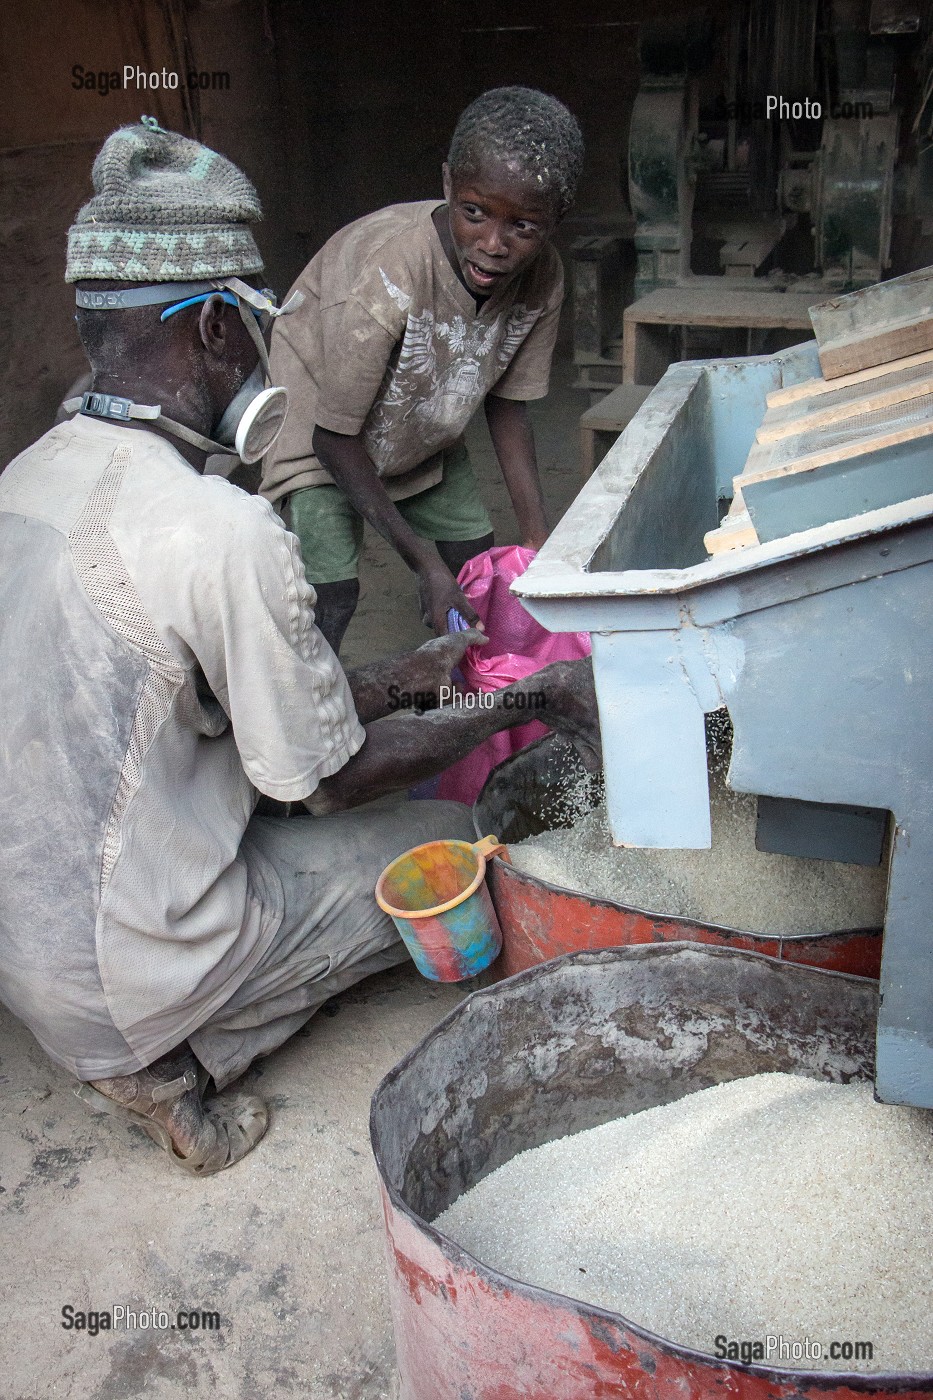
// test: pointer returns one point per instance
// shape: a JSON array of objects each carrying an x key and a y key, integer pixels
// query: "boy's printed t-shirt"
[
  {"x": 389, "y": 342},
  {"x": 159, "y": 663}
]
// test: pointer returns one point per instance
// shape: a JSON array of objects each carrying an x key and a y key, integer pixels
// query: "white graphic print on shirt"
[{"x": 441, "y": 374}]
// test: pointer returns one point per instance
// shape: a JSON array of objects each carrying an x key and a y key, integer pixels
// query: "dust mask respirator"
[{"x": 255, "y": 415}]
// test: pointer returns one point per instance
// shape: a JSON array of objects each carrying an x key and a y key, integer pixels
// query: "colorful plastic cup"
[{"x": 437, "y": 898}]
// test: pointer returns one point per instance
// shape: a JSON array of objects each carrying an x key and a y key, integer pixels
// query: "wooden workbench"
[
  {"x": 711, "y": 301},
  {"x": 608, "y": 419}
]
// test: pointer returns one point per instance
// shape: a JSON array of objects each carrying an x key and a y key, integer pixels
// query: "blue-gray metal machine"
[{"x": 819, "y": 644}]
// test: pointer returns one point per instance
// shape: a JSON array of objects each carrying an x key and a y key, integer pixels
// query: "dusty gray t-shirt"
[
  {"x": 390, "y": 344},
  {"x": 159, "y": 663}
]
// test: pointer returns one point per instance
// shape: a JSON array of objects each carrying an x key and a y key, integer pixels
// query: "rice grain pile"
[
  {"x": 731, "y": 884},
  {"x": 770, "y": 1206}
]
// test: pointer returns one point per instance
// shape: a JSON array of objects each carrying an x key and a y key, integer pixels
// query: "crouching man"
[{"x": 160, "y": 667}]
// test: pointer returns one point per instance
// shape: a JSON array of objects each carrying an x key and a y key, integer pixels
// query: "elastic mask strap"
[
  {"x": 117, "y": 410},
  {"x": 248, "y": 297},
  {"x": 252, "y": 325},
  {"x": 258, "y": 301},
  {"x": 110, "y": 406},
  {"x": 206, "y": 444}
]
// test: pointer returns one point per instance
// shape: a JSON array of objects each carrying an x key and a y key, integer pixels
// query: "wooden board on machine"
[
  {"x": 735, "y": 532},
  {"x": 832, "y": 402},
  {"x": 875, "y": 325},
  {"x": 868, "y": 415},
  {"x": 864, "y": 430},
  {"x": 812, "y": 388}
]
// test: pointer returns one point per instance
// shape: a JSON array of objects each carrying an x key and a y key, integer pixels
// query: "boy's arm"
[
  {"x": 513, "y": 438},
  {"x": 351, "y": 467}
]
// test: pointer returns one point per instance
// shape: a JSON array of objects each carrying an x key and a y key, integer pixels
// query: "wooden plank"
[
  {"x": 869, "y": 432},
  {"x": 721, "y": 306},
  {"x": 646, "y": 352},
  {"x": 837, "y": 490},
  {"x": 876, "y": 347},
  {"x": 876, "y": 324},
  {"x": 736, "y": 509},
  {"x": 741, "y": 257},
  {"x": 759, "y": 459},
  {"x": 611, "y": 415},
  {"x": 851, "y": 315},
  {"x": 616, "y": 410},
  {"x": 735, "y": 533},
  {"x": 827, "y": 409},
  {"x": 809, "y": 388}
]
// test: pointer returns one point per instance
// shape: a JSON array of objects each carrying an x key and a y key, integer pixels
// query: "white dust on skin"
[
  {"x": 732, "y": 884},
  {"x": 772, "y": 1205}
]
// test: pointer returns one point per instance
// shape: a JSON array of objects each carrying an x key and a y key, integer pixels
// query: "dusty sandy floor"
[{"x": 287, "y": 1246}]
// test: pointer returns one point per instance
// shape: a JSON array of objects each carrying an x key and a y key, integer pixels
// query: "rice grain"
[{"x": 772, "y": 1205}]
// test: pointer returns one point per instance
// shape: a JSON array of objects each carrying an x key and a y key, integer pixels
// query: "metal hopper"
[{"x": 818, "y": 643}]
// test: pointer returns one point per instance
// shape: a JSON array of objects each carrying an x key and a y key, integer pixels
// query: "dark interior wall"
[
  {"x": 371, "y": 92},
  {"x": 49, "y": 134},
  {"x": 333, "y": 110},
  {"x": 51, "y": 130}
]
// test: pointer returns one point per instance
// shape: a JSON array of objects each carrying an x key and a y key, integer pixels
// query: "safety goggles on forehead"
[
  {"x": 185, "y": 293},
  {"x": 263, "y": 315}
]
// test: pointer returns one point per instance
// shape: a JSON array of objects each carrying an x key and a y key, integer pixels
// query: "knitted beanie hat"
[{"x": 166, "y": 209}]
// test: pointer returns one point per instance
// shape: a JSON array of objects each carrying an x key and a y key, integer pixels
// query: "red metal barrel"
[
  {"x": 539, "y": 920},
  {"x": 559, "y": 1048}
]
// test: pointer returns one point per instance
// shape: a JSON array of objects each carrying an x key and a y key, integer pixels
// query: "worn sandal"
[
  {"x": 233, "y": 1124},
  {"x": 231, "y": 1127}
]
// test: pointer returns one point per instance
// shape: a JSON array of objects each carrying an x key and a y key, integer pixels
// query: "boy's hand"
[
  {"x": 438, "y": 591},
  {"x": 535, "y": 539}
]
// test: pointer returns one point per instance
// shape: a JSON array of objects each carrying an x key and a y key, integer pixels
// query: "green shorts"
[{"x": 330, "y": 531}]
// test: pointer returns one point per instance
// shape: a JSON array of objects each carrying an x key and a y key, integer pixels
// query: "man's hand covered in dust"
[
  {"x": 570, "y": 708},
  {"x": 567, "y": 688},
  {"x": 430, "y": 666}
]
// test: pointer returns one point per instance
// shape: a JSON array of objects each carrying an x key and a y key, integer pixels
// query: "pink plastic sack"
[{"x": 517, "y": 648}]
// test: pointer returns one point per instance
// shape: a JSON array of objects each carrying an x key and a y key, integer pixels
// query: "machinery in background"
[{"x": 774, "y": 149}]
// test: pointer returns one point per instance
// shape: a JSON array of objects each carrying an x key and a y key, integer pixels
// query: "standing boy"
[{"x": 413, "y": 317}]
